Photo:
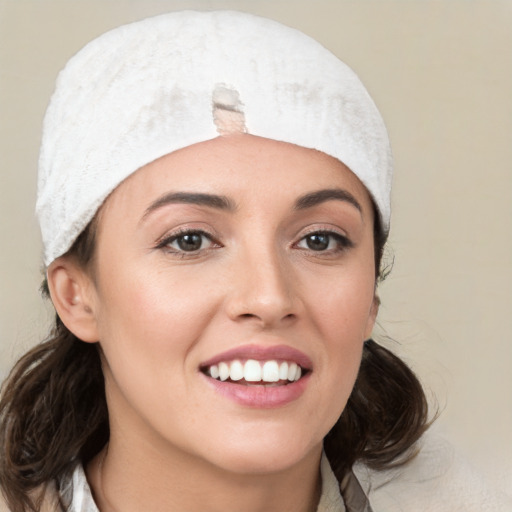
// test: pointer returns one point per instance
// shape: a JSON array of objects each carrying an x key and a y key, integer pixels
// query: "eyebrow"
[
  {"x": 196, "y": 198},
  {"x": 328, "y": 194}
]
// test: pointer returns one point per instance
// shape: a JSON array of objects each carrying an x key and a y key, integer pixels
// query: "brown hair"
[
  {"x": 387, "y": 411},
  {"x": 53, "y": 412}
]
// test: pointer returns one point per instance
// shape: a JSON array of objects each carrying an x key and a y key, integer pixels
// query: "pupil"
[
  {"x": 318, "y": 242},
  {"x": 190, "y": 242}
]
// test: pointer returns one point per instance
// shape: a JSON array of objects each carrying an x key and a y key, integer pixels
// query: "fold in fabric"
[{"x": 353, "y": 494}]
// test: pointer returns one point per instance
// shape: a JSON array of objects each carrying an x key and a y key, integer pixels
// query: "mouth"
[
  {"x": 253, "y": 372},
  {"x": 258, "y": 376}
]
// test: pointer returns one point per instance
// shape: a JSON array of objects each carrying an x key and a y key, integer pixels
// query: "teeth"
[
  {"x": 270, "y": 371},
  {"x": 292, "y": 370},
  {"x": 283, "y": 371},
  {"x": 256, "y": 371},
  {"x": 223, "y": 371},
  {"x": 214, "y": 371},
  {"x": 252, "y": 371},
  {"x": 236, "y": 371}
]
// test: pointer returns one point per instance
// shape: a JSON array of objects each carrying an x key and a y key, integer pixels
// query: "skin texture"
[{"x": 160, "y": 312}]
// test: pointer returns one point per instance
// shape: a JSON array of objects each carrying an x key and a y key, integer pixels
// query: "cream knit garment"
[{"x": 438, "y": 480}]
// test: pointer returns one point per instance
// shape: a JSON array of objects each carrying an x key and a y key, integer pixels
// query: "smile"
[
  {"x": 251, "y": 372},
  {"x": 258, "y": 376}
]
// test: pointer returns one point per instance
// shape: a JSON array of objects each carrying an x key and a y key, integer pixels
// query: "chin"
[{"x": 264, "y": 452}]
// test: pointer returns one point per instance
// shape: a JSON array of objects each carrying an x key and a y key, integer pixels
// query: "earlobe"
[
  {"x": 372, "y": 317},
  {"x": 71, "y": 293}
]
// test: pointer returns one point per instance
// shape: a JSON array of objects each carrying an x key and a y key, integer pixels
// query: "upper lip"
[{"x": 262, "y": 353}]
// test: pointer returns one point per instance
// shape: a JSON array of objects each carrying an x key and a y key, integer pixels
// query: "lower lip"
[{"x": 260, "y": 396}]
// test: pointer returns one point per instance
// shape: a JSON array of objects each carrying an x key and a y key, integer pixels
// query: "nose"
[{"x": 263, "y": 289}]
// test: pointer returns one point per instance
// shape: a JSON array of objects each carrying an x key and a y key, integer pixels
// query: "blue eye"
[{"x": 323, "y": 241}]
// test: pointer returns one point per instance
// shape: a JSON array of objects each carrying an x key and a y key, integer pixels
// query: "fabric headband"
[{"x": 149, "y": 88}]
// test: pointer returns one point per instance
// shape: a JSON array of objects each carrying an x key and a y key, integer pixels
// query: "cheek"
[
  {"x": 149, "y": 324},
  {"x": 151, "y": 315},
  {"x": 341, "y": 312},
  {"x": 341, "y": 304}
]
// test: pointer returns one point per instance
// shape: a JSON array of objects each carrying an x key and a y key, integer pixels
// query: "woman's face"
[{"x": 239, "y": 255}]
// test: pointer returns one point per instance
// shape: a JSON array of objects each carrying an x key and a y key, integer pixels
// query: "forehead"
[{"x": 239, "y": 166}]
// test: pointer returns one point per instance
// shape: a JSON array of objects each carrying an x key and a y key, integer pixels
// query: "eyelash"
[
  {"x": 166, "y": 242},
  {"x": 342, "y": 242}
]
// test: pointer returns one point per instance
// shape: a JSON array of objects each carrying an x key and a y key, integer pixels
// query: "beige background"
[{"x": 441, "y": 73}]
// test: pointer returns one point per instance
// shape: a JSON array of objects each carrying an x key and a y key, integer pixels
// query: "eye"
[
  {"x": 187, "y": 241},
  {"x": 324, "y": 241}
]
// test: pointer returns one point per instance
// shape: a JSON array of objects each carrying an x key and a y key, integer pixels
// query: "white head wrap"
[{"x": 149, "y": 88}]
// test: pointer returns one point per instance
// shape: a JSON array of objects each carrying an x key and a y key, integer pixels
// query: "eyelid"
[
  {"x": 325, "y": 229},
  {"x": 164, "y": 241},
  {"x": 344, "y": 242}
]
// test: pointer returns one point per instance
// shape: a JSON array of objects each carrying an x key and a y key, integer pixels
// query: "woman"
[{"x": 214, "y": 201}]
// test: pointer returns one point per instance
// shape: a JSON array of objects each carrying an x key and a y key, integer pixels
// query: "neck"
[{"x": 149, "y": 478}]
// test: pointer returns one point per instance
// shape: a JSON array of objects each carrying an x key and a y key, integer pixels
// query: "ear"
[
  {"x": 72, "y": 292},
  {"x": 372, "y": 317}
]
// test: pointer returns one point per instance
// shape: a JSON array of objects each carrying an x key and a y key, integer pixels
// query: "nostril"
[
  {"x": 289, "y": 319},
  {"x": 251, "y": 316},
  {"x": 263, "y": 300}
]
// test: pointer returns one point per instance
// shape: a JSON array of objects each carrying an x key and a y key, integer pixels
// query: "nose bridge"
[{"x": 263, "y": 284}]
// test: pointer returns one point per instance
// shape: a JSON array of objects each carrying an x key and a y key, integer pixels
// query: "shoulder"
[
  {"x": 72, "y": 494},
  {"x": 436, "y": 480}
]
